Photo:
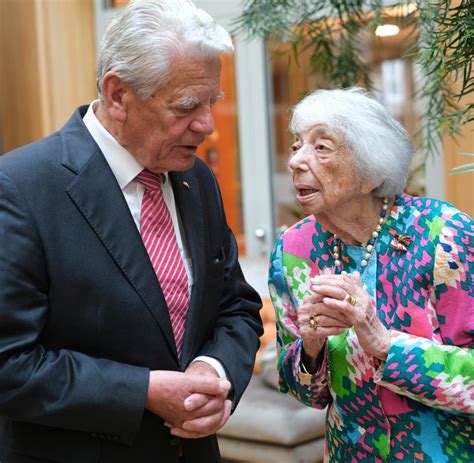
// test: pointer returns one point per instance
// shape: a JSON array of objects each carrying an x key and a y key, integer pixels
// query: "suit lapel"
[
  {"x": 98, "y": 197},
  {"x": 188, "y": 202}
]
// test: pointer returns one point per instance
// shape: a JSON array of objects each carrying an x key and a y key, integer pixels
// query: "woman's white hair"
[
  {"x": 142, "y": 40},
  {"x": 381, "y": 147}
]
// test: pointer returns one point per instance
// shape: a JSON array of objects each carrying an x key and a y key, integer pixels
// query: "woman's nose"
[{"x": 297, "y": 160}]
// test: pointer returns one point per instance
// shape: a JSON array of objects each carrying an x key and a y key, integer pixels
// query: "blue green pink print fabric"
[{"x": 418, "y": 405}]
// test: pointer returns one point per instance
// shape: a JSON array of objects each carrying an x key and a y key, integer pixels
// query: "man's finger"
[
  {"x": 178, "y": 432},
  {"x": 213, "y": 406},
  {"x": 227, "y": 411},
  {"x": 208, "y": 385},
  {"x": 211, "y": 423},
  {"x": 203, "y": 424},
  {"x": 196, "y": 400}
]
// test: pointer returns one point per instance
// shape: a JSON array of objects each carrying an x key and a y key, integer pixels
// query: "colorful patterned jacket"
[{"x": 419, "y": 404}]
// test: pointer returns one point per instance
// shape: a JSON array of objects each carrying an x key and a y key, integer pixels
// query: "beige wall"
[{"x": 47, "y": 58}]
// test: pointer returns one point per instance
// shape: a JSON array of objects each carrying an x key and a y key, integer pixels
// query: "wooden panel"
[
  {"x": 68, "y": 58},
  {"x": 19, "y": 74},
  {"x": 118, "y": 3},
  {"x": 47, "y": 56}
]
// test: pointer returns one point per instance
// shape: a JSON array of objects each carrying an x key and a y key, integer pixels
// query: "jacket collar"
[{"x": 99, "y": 199}]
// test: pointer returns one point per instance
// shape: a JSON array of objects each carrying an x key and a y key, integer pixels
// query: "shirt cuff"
[{"x": 216, "y": 364}]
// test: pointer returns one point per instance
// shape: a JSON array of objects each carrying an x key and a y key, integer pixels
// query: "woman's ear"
[
  {"x": 367, "y": 187},
  {"x": 114, "y": 92}
]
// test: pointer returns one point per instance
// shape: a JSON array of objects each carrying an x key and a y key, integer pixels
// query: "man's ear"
[{"x": 114, "y": 92}]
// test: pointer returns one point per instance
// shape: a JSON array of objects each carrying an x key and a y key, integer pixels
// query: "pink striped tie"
[{"x": 160, "y": 242}]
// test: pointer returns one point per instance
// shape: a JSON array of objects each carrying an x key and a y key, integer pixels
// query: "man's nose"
[{"x": 204, "y": 123}]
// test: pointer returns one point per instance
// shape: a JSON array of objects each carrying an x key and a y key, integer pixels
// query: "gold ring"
[
  {"x": 312, "y": 323},
  {"x": 351, "y": 299}
]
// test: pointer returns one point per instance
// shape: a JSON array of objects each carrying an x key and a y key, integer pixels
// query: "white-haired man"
[{"x": 127, "y": 330}]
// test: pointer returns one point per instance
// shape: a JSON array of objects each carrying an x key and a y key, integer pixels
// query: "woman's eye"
[{"x": 294, "y": 148}]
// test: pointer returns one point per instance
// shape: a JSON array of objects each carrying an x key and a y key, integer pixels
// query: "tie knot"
[{"x": 149, "y": 180}]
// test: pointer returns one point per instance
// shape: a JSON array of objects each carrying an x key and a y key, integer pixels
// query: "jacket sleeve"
[
  {"x": 72, "y": 386},
  {"x": 441, "y": 374},
  {"x": 311, "y": 390}
]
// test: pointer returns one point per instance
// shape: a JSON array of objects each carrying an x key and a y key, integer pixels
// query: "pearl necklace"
[{"x": 369, "y": 246}]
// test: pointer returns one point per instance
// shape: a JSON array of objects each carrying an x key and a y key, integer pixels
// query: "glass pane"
[
  {"x": 220, "y": 150},
  {"x": 394, "y": 85}
]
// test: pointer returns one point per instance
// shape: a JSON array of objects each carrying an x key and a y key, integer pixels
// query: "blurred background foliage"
[{"x": 333, "y": 32}]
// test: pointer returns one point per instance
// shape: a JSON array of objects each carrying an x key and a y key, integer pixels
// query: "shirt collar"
[{"x": 123, "y": 165}]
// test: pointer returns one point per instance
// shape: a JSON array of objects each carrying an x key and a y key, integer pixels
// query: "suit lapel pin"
[{"x": 186, "y": 184}]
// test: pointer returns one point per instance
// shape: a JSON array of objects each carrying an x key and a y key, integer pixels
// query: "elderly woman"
[{"x": 374, "y": 292}]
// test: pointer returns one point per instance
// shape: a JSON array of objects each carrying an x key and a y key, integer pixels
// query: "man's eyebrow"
[
  {"x": 193, "y": 101},
  {"x": 188, "y": 101}
]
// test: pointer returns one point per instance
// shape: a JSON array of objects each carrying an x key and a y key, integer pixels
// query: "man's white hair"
[
  {"x": 143, "y": 39},
  {"x": 381, "y": 147}
]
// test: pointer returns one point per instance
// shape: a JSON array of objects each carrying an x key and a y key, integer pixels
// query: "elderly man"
[{"x": 127, "y": 330}]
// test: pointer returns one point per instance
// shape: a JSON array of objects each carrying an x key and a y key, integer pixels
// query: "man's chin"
[
  {"x": 184, "y": 164},
  {"x": 176, "y": 166}
]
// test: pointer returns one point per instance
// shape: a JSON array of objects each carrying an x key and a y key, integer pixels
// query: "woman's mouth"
[
  {"x": 305, "y": 194},
  {"x": 307, "y": 191}
]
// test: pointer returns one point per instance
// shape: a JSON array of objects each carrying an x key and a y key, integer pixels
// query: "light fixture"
[{"x": 387, "y": 30}]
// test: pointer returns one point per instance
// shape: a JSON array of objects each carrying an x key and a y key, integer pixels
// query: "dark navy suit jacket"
[{"x": 82, "y": 316}]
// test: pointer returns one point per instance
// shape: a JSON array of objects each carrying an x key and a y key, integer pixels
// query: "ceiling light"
[{"x": 387, "y": 30}]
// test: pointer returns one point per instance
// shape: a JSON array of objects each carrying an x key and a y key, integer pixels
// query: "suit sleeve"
[
  {"x": 235, "y": 337},
  {"x": 59, "y": 388}
]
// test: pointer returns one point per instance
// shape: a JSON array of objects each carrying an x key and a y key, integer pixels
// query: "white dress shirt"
[{"x": 125, "y": 169}]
